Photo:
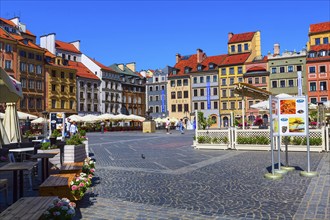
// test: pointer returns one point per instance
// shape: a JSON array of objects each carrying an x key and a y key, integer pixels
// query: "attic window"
[
  {"x": 211, "y": 66},
  {"x": 186, "y": 70},
  {"x": 174, "y": 72},
  {"x": 199, "y": 67}
]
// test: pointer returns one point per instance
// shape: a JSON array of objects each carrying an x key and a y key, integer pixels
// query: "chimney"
[
  {"x": 230, "y": 35},
  {"x": 15, "y": 20},
  {"x": 48, "y": 42},
  {"x": 177, "y": 58},
  {"x": 199, "y": 55},
  {"x": 131, "y": 66},
  {"x": 276, "y": 49},
  {"x": 121, "y": 67},
  {"x": 76, "y": 44}
]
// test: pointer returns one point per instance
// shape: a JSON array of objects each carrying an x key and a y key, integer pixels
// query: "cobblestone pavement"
[{"x": 175, "y": 181}]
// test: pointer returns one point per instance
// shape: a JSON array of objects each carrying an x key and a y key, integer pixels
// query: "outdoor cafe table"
[
  {"x": 19, "y": 166},
  {"x": 44, "y": 160},
  {"x": 21, "y": 150},
  {"x": 27, "y": 208}
]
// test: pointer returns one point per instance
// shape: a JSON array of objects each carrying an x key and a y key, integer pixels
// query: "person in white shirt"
[
  {"x": 73, "y": 128},
  {"x": 167, "y": 126},
  {"x": 68, "y": 125}
]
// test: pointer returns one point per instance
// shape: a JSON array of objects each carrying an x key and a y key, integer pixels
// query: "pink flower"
[
  {"x": 81, "y": 184},
  {"x": 72, "y": 204},
  {"x": 92, "y": 170},
  {"x": 74, "y": 188}
]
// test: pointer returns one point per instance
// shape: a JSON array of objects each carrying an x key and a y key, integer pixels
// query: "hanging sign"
[{"x": 208, "y": 95}]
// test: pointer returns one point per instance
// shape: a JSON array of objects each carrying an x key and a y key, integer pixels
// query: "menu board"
[
  {"x": 274, "y": 115},
  {"x": 293, "y": 120},
  {"x": 57, "y": 120}
]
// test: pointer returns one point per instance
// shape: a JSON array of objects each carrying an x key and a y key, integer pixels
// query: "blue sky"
[{"x": 150, "y": 33}]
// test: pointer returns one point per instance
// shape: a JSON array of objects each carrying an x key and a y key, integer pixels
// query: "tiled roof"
[
  {"x": 236, "y": 38},
  {"x": 29, "y": 33},
  {"x": 126, "y": 70},
  {"x": 49, "y": 54},
  {"x": 102, "y": 66},
  {"x": 30, "y": 44},
  {"x": 320, "y": 47},
  {"x": 5, "y": 35},
  {"x": 188, "y": 61},
  {"x": 7, "y": 22},
  {"x": 235, "y": 59},
  {"x": 320, "y": 27},
  {"x": 66, "y": 46},
  {"x": 213, "y": 59},
  {"x": 82, "y": 70},
  {"x": 17, "y": 37},
  {"x": 256, "y": 68}
]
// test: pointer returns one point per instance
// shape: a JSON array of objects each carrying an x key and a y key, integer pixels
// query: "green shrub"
[
  {"x": 82, "y": 132},
  {"x": 56, "y": 134},
  {"x": 47, "y": 146},
  {"x": 220, "y": 140},
  {"x": 296, "y": 140},
  {"x": 315, "y": 141},
  {"x": 74, "y": 140},
  {"x": 201, "y": 139},
  {"x": 253, "y": 140}
]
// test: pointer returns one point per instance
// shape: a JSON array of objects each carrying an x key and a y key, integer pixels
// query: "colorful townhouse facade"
[
  {"x": 257, "y": 75},
  {"x": 156, "y": 92},
  {"x": 318, "y": 62},
  {"x": 133, "y": 89},
  {"x": 23, "y": 59},
  {"x": 242, "y": 48},
  {"x": 283, "y": 71}
]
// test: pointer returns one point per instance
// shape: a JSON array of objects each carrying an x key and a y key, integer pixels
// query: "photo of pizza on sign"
[{"x": 288, "y": 107}]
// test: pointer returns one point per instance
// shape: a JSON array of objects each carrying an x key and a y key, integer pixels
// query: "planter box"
[
  {"x": 252, "y": 147},
  {"x": 56, "y": 161},
  {"x": 74, "y": 153},
  {"x": 86, "y": 148},
  {"x": 212, "y": 146}
]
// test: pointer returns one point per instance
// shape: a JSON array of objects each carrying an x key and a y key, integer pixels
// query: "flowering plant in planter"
[
  {"x": 60, "y": 209},
  {"x": 89, "y": 167},
  {"x": 80, "y": 184}
]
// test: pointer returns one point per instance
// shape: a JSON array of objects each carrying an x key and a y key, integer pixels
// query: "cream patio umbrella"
[
  {"x": 39, "y": 121},
  {"x": 135, "y": 118},
  {"x": 90, "y": 119},
  {"x": 11, "y": 123},
  {"x": 106, "y": 116},
  {"x": 121, "y": 117},
  {"x": 24, "y": 116},
  {"x": 2, "y": 115},
  {"x": 3, "y": 134},
  {"x": 76, "y": 118}
]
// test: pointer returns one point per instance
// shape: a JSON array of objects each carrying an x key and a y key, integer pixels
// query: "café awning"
[{"x": 247, "y": 90}]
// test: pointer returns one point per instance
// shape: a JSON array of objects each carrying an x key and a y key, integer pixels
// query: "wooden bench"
[
  {"x": 75, "y": 168},
  {"x": 58, "y": 185},
  {"x": 27, "y": 208}
]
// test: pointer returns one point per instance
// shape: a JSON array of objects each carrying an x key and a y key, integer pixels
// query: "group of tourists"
[
  {"x": 70, "y": 128},
  {"x": 179, "y": 125}
]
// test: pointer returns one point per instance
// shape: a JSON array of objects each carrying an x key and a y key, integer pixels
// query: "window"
[
  {"x": 299, "y": 68},
  {"x": 89, "y": 107},
  {"x": 38, "y": 103},
  {"x": 323, "y": 86},
  {"x": 239, "y": 105},
  {"x": 314, "y": 100},
  {"x": 179, "y": 82},
  {"x": 201, "y": 92},
  {"x": 38, "y": 57},
  {"x": 199, "y": 67},
  {"x": 157, "y": 109},
  {"x": 263, "y": 79},
  {"x": 71, "y": 89},
  {"x": 282, "y": 83},
  {"x": 196, "y": 105},
  {"x": 291, "y": 83},
  {"x": 185, "y": 82},
  {"x": 53, "y": 103},
  {"x": 274, "y": 84},
  {"x": 23, "y": 81},
  {"x": 95, "y": 107},
  {"x": 215, "y": 78},
  {"x": 23, "y": 67},
  {"x": 195, "y": 92},
  {"x": 223, "y": 82},
  {"x": 23, "y": 102},
  {"x": 186, "y": 70},
  {"x": 39, "y": 69},
  {"x": 173, "y": 108},
  {"x": 185, "y": 94},
  {"x": 71, "y": 75},
  {"x": 317, "y": 41},
  {"x": 240, "y": 79},
  {"x": 179, "y": 95},
  {"x": 231, "y": 70},
  {"x": 223, "y": 71},
  {"x": 22, "y": 53},
  {"x": 62, "y": 88},
  {"x": 312, "y": 86},
  {"x": 163, "y": 87},
  {"x": 273, "y": 69},
  {"x": 174, "y": 72},
  {"x": 8, "y": 64},
  {"x": 240, "y": 70},
  {"x": 31, "y": 103},
  {"x": 82, "y": 107},
  {"x": 201, "y": 79},
  {"x": 89, "y": 95},
  {"x": 31, "y": 68},
  {"x": 156, "y": 79},
  {"x": 195, "y": 80},
  {"x": 322, "y": 69},
  {"x": 151, "y": 97},
  {"x": 31, "y": 84},
  {"x": 172, "y": 95},
  {"x": 256, "y": 80},
  {"x": 246, "y": 47},
  {"x": 150, "y": 88},
  {"x": 62, "y": 104},
  {"x": 39, "y": 85},
  {"x": 311, "y": 54},
  {"x": 282, "y": 69},
  {"x": 325, "y": 40},
  {"x": 232, "y": 48},
  {"x": 186, "y": 107},
  {"x": 224, "y": 106},
  {"x": 215, "y": 91},
  {"x": 231, "y": 81},
  {"x": 250, "y": 103},
  {"x": 250, "y": 80},
  {"x": 95, "y": 95},
  {"x": 232, "y": 105},
  {"x": 31, "y": 55},
  {"x": 232, "y": 93},
  {"x": 62, "y": 76},
  {"x": 71, "y": 104},
  {"x": 172, "y": 83},
  {"x": 202, "y": 105},
  {"x": 211, "y": 66},
  {"x": 215, "y": 105},
  {"x": 224, "y": 93},
  {"x": 208, "y": 78},
  {"x": 156, "y": 88},
  {"x": 322, "y": 53},
  {"x": 156, "y": 97},
  {"x": 290, "y": 69},
  {"x": 180, "y": 108},
  {"x": 312, "y": 69},
  {"x": 239, "y": 48},
  {"x": 54, "y": 75},
  {"x": 9, "y": 48}
]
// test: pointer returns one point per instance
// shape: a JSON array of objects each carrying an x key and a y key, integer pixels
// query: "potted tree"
[
  {"x": 74, "y": 149},
  {"x": 55, "y": 134}
]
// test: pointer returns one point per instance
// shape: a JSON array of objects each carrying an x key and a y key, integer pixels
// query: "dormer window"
[
  {"x": 186, "y": 70},
  {"x": 174, "y": 72},
  {"x": 311, "y": 54},
  {"x": 199, "y": 67},
  {"x": 322, "y": 53},
  {"x": 211, "y": 66}
]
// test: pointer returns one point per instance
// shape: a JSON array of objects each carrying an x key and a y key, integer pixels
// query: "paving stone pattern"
[{"x": 175, "y": 181}]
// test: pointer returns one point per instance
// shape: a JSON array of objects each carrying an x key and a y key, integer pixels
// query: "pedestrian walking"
[
  {"x": 167, "y": 126},
  {"x": 67, "y": 128},
  {"x": 102, "y": 127},
  {"x": 181, "y": 126},
  {"x": 73, "y": 128}
]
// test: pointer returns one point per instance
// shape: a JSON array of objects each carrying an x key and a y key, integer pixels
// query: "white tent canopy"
[
  {"x": 11, "y": 123},
  {"x": 90, "y": 118},
  {"x": 21, "y": 116},
  {"x": 121, "y": 117},
  {"x": 39, "y": 121},
  {"x": 76, "y": 118},
  {"x": 106, "y": 116},
  {"x": 135, "y": 118}
]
